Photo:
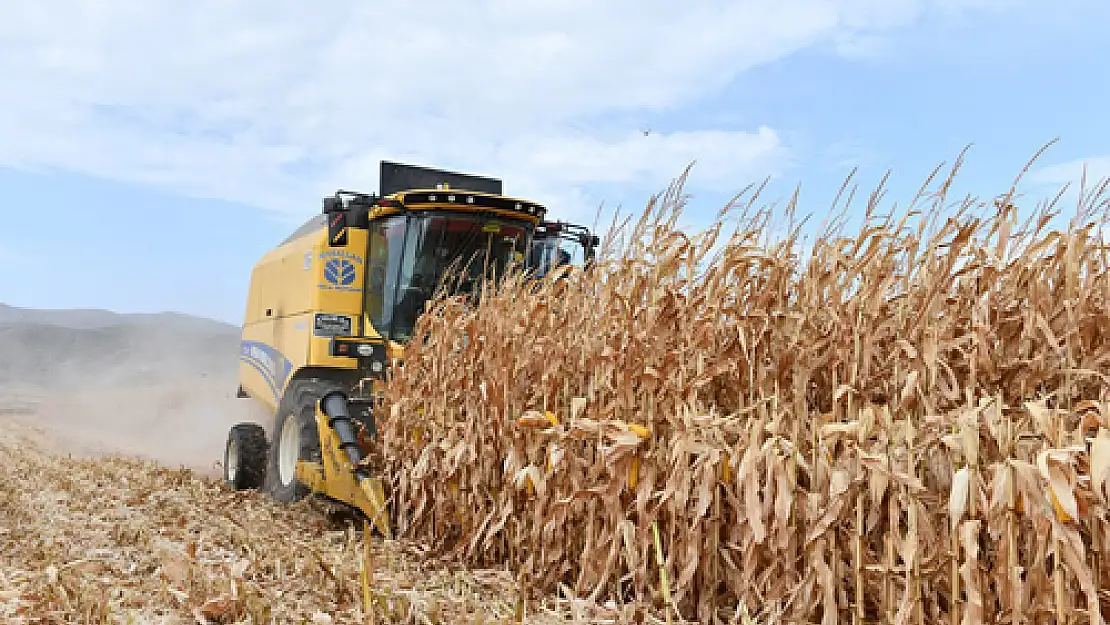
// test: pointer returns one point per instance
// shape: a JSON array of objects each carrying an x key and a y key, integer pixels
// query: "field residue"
[{"x": 115, "y": 540}]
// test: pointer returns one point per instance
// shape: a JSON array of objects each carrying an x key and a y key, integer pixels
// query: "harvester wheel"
[
  {"x": 245, "y": 456},
  {"x": 295, "y": 437}
]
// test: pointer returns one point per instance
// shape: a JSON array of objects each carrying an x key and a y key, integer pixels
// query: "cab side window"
[{"x": 386, "y": 237}]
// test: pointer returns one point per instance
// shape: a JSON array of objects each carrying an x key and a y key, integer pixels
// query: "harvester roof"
[{"x": 413, "y": 188}]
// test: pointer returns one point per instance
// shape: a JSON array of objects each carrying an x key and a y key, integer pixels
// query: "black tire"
[
  {"x": 245, "y": 455},
  {"x": 299, "y": 402}
]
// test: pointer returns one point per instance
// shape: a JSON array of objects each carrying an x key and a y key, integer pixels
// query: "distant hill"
[
  {"x": 94, "y": 318},
  {"x": 80, "y": 349}
]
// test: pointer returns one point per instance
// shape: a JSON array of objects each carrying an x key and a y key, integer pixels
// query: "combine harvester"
[{"x": 330, "y": 309}]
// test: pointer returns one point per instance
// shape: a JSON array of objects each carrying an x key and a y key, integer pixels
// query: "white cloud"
[
  {"x": 1096, "y": 169},
  {"x": 1091, "y": 176},
  {"x": 277, "y": 103}
]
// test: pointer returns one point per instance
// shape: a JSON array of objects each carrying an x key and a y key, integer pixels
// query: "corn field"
[{"x": 905, "y": 424}]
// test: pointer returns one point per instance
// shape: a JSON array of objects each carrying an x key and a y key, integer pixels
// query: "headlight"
[{"x": 371, "y": 356}]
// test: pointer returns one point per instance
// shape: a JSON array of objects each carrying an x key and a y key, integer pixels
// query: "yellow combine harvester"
[{"x": 330, "y": 309}]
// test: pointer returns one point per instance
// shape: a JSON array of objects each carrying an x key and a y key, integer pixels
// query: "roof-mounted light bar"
[{"x": 462, "y": 198}]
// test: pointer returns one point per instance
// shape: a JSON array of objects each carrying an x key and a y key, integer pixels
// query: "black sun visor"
[{"x": 397, "y": 177}]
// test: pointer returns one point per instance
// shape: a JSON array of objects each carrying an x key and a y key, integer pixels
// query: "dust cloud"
[
  {"x": 156, "y": 387},
  {"x": 175, "y": 425}
]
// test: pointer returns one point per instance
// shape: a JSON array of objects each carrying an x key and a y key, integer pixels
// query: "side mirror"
[{"x": 337, "y": 229}]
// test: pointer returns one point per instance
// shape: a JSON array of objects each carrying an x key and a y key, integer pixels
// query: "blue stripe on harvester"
[
  {"x": 274, "y": 367},
  {"x": 265, "y": 376}
]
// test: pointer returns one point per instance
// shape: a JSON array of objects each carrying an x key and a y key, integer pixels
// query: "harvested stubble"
[
  {"x": 119, "y": 541},
  {"x": 910, "y": 426}
]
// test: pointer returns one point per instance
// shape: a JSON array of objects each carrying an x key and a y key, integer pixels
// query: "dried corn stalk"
[{"x": 794, "y": 426}]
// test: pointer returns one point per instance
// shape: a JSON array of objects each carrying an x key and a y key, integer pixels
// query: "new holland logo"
[{"x": 339, "y": 272}]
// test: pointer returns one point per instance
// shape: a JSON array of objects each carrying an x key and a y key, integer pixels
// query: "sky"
[{"x": 151, "y": 151}]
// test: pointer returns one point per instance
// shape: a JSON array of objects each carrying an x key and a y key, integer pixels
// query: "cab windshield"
[{"x": 411, "y": 256}]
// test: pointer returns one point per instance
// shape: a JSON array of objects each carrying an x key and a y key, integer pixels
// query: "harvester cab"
[
  {"x": 557, "y": 243},
  {"x": 330, "y": 309}
]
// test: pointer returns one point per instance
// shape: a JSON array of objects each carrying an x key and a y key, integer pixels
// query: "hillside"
[
  {"x": 63, "y": 358},
  {"x": 94, "y": 318}
]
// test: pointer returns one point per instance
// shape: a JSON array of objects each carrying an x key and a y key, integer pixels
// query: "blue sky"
[{"x": 151, "y": 151}]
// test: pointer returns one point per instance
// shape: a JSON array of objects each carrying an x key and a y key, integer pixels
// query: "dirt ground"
[
  {"x": 115, "y": 540},
  {"x": 92, "y": 533}
]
